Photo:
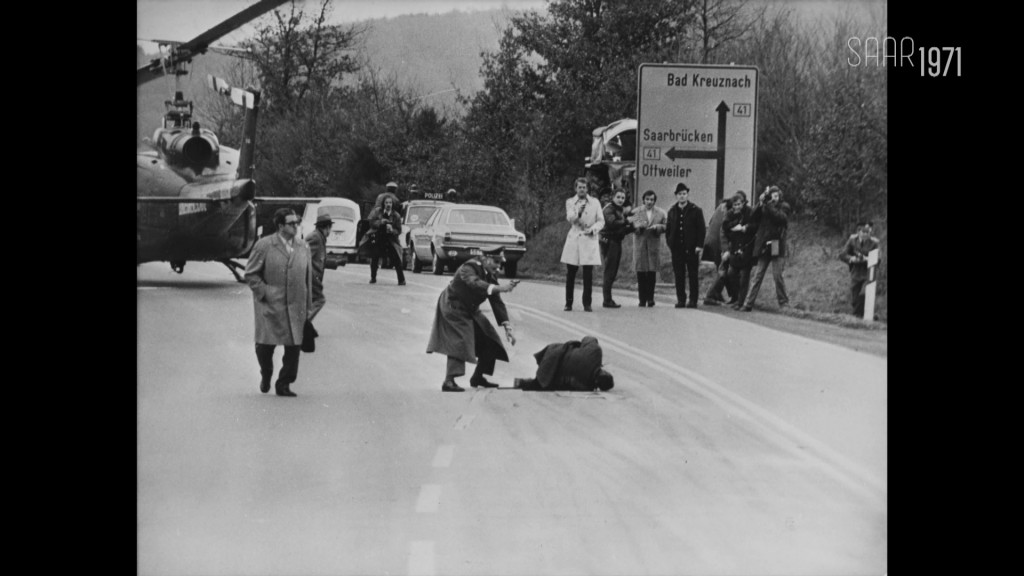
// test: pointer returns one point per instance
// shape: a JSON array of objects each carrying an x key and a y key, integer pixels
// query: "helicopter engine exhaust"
[{"x": 197, "y": 151}]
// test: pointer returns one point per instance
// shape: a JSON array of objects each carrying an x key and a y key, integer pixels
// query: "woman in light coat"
[
  {"x": 582, "y": 246},
  {"x": 650, "y": 223}
]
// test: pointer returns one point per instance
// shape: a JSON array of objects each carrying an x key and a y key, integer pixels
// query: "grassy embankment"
[{"x": 817, "y": 281}]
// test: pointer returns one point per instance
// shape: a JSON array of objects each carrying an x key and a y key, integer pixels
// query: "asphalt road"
[{"x": 724, "y": 448}]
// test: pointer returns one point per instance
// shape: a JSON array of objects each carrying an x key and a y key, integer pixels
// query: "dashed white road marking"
[
  {"x": 430, "y": 499},
  {"x": 443, "y": 458},
  {"x": 421, "y": 558}
]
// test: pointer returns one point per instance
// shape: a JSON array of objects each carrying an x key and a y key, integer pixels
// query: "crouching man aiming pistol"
[{"x": 461, "y": 331}]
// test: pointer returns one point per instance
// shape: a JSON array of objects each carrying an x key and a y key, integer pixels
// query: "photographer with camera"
[
  {"x": 385, "y": 226},
  {"x": 772, "y": 220}
]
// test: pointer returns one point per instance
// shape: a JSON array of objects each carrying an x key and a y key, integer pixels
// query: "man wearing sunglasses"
[{"x": 280, "y": 274}]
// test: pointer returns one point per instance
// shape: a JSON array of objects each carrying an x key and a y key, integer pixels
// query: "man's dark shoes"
[
  {"x": 265, "y": 385},
  {"x": 401, "y": 282},
  {"x": 587, "y": 308},
  {"x": 691, "y": 304},
  {"x": 482, "y": 382},
  {"x": 568, "y": 308},
  {"x": 451, "y": 386},
  {"x": 283, "y": 390},
  {"x": 680, "y": 305},
  {"x": 713, "y": 302},
  {"x": 611, "y": 304},
  {"x": 746, "y": 308},
  {"x": 650, "y": 303},
  {"x": 373, "y": 280}
]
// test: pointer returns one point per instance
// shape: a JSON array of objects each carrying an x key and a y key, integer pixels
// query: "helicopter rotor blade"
[
  {"x": 242, "y": 98},
  {"x": 199, "y": 44}
]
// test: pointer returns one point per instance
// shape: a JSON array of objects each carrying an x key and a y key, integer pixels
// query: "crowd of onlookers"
[{"x": 751, "y": 239}]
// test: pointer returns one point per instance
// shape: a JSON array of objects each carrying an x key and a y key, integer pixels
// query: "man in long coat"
[
  {"x": 573, "y": 365},
  {"x": 582, "y": 245},
  {"x": 649, "y": 222},
  {"x": 685, "y": 234},
  {"x": 317, "y": 242},
  {"x": 280, "y": 274},
  {"x": 772, "y": 220},
  {"x": 460, "y": 329}
]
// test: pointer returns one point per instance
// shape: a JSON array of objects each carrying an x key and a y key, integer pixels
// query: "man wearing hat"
[
  {"x": 461, "y": 331},
  {"x": 684, "y": 233},
  {"x": 317, "y": 241}
]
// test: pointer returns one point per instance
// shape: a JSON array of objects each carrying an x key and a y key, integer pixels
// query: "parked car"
[
  {"x": 416, "y": 213},
  {"x": 341, "y": 244},
  {"x": 457, "y": 232}
]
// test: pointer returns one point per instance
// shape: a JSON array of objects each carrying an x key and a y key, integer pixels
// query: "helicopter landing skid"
[{"x": 234, "y": 267}]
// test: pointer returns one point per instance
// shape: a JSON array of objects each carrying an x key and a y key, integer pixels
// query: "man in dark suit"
[
  {"x": 684, "y": 234},
  {"x": 855, "y": 254},
  {"x": 461, "y": 331},
  {"x": 317, "y": 241}
]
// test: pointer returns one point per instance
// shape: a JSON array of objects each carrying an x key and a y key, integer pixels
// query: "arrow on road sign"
[{"x": 718, "y": 154}]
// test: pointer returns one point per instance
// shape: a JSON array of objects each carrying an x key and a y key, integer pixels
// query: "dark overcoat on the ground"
[
  {"x": 460, "y": 329},
  {"x": 282, "y": 292},
  {"x": 572, "y": 365}
]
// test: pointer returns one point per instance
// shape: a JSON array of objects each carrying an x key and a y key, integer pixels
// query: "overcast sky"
[{"x": 183, "y": 20}]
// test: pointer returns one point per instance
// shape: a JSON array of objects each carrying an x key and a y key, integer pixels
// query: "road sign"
[{"x": 697, "y": 125}]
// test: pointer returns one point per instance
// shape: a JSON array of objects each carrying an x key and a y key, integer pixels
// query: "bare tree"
[{"x": 717, "y": 23}]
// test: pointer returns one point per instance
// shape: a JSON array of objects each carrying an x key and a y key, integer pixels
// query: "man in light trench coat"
[
  {"x": 280, "y": 274},
  {"x": 582, "y": 243}
]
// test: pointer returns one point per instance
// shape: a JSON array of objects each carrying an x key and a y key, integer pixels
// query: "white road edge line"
[{"x": 786, "y": 435}]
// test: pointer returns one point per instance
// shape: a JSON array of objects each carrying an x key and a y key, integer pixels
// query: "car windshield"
[
  {"x": 477, "y": 217},
  {"x": 418, "y": 215},
  {"x": 339, "y": 212}
]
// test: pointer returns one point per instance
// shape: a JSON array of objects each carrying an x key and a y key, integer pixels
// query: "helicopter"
[{"x": 195, "y": 198}]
